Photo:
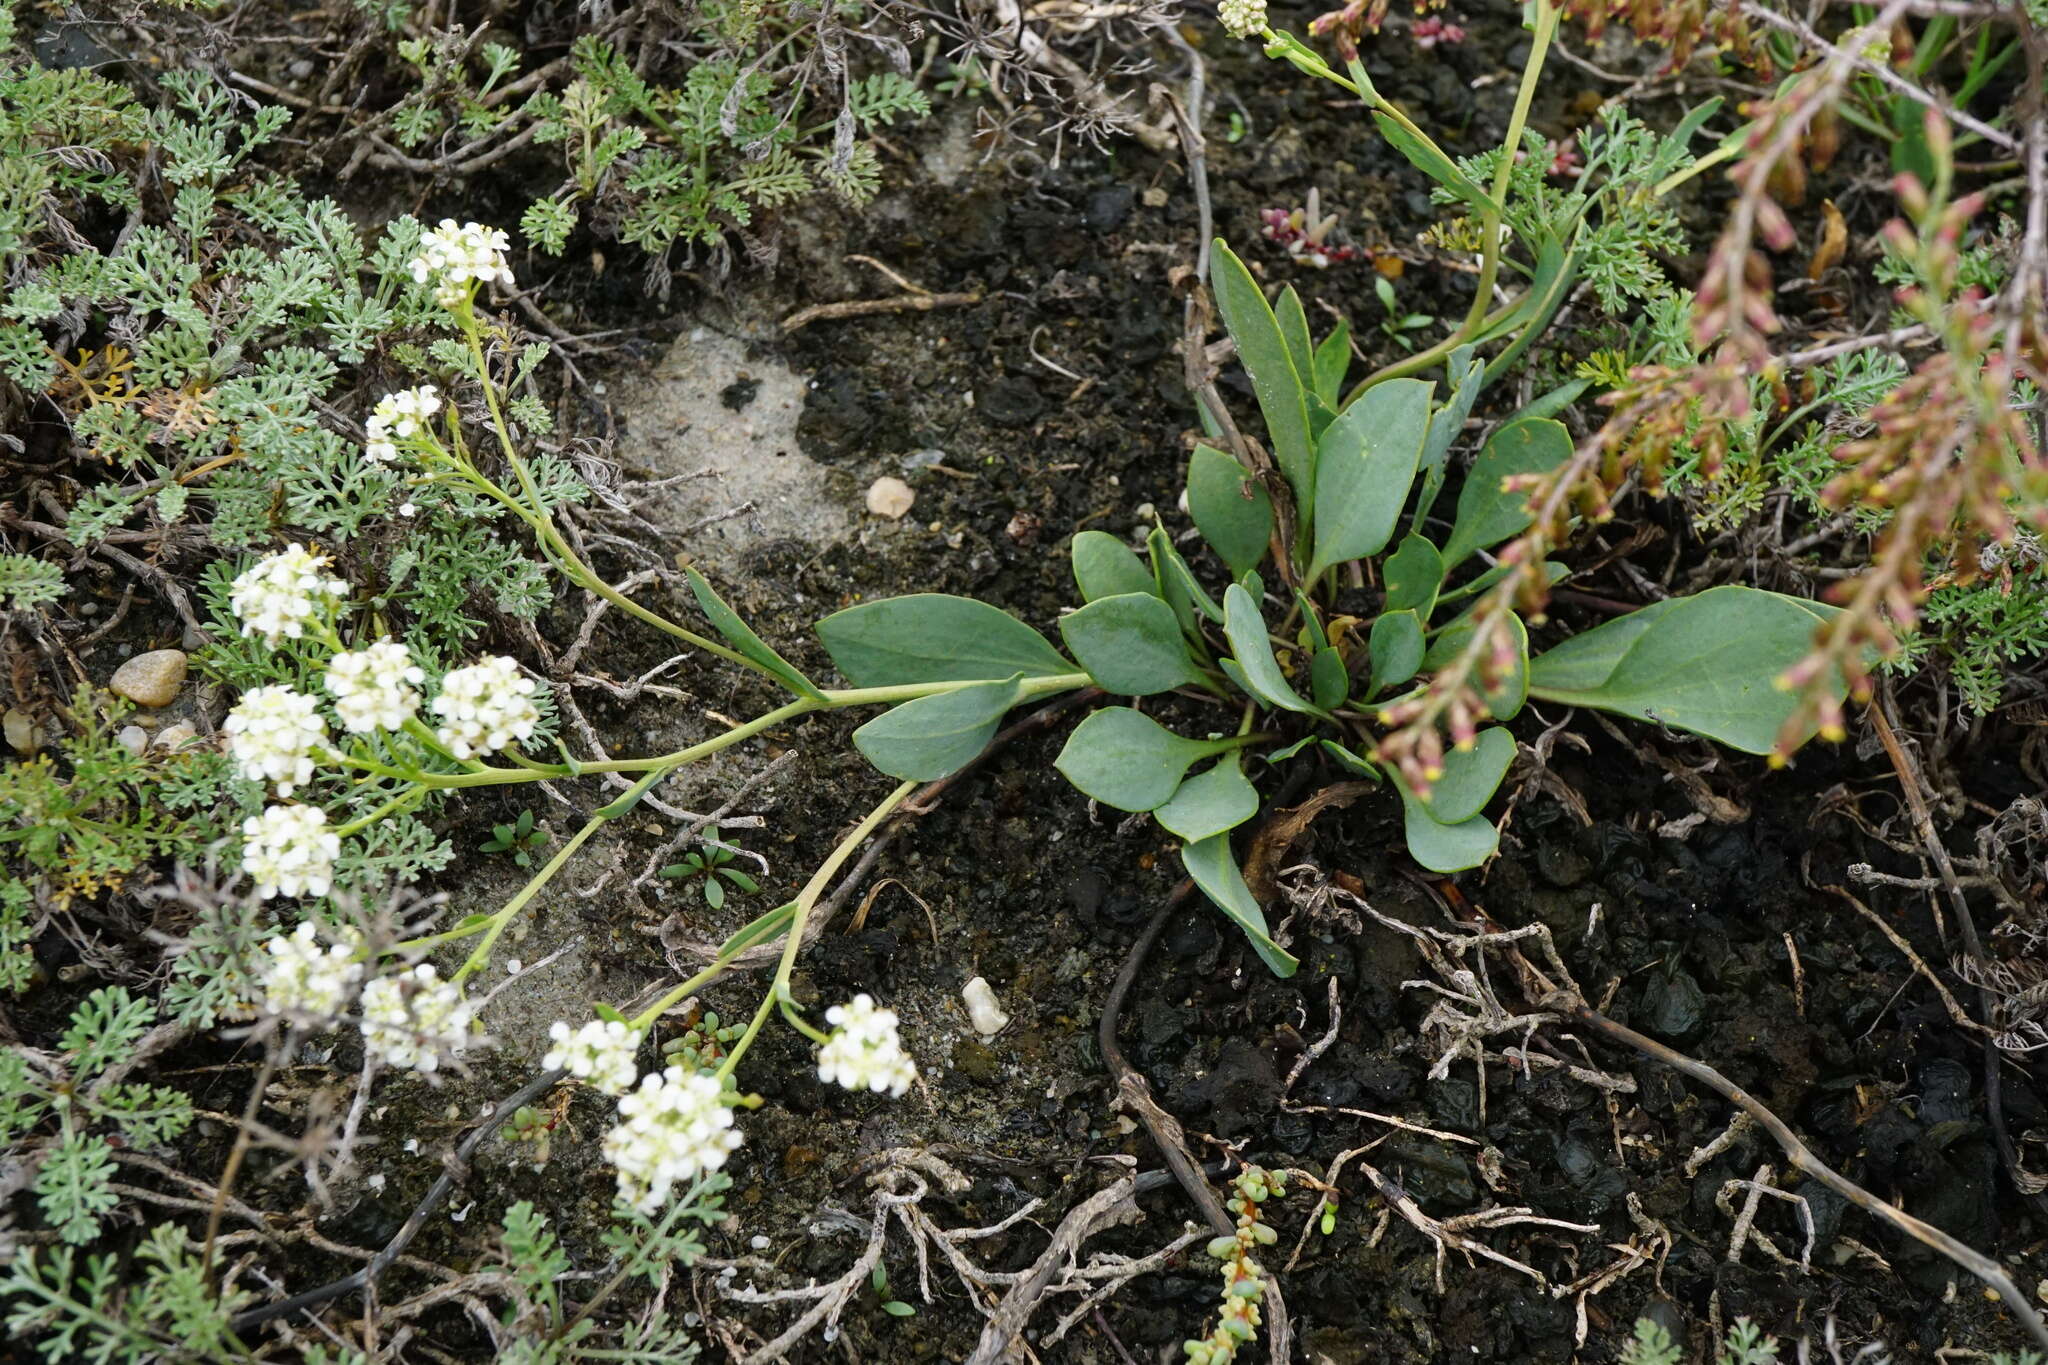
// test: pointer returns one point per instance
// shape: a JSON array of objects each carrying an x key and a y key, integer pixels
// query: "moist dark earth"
[{"x": 1711, "y": 934}]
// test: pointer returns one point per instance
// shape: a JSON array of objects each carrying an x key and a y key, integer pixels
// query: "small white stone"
[
  {"x": 175, "y": 737},
  {"x": 133, "y": 738},
  {"x": 983, "y": 1012},
  {"x": 150, "y": 679},
  {"x": 22, "y": 734},
  {"x": 890, "y": 497}
]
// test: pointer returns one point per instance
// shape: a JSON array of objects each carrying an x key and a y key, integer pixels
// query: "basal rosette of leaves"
[{"x": 1281, "y": 646}]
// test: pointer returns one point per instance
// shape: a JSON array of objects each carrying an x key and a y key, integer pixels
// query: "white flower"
[
  {"x": 485, "y": 707},
  {"x": 864, "y": 1052},
  {"x": 672, "y": 1129},
  {"x": 601, "y": 1052},
  {"x": 290, "y": 850},
  {"x": 1242, "y": 18},
  {"x": 281, "y": 593},
  {"x": 372, "y": 687},
  {"x": 454, "y": 256},
  {"x": 274, "y": 734},
  {"x": 304, "y": 978},
  {"x": 412, "y": 1018},
  {"x": 400, "y": 416}
]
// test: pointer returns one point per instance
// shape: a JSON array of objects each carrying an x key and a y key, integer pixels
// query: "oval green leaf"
[
  {"x": 932, "y": 737},
  {"x": 1210, "y": 803},
  {"x": 1487, "y": 514},
  {"x": 1329, "y": 681},
  {"x": 1130, "y": 644},
  {"x": 933, "y": 637},
  {"x": 1246, "y": 630},
  {"x": 1231, "y": 510},
  {"x": 1441, "y": 847},
  {"x": 1364, "y": 466},
  {"x": 1471, "y": 776},
  {"x": 1708, "y": 664},
  {"x": 1396, "y": 649},
  {"x": 1414, "y": 574},
  {"x": 1214, "y": 869},
  {"x": 1106, "y": 567},
  {"x": 1126, "y": 759},
  {"x": 1262, "y": 349},
  {"x": 1504, "y": 701}
]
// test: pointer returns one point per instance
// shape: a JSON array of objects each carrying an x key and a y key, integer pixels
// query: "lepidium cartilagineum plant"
[{"x": 379, "y": 737}]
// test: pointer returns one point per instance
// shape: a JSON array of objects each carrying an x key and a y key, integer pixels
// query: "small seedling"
[
  {"x": 519, "y": 838},
  {"x": 711, "y": 863},
  {"x": 703, "y": 1045},
  {"x": 1397, "y": 324},
  {"x": 895, "y": 1308}
]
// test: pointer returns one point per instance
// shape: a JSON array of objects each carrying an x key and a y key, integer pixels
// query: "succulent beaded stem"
[{"x": 1244, "y": 1282}]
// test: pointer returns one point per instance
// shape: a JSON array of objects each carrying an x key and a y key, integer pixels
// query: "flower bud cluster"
[{"x": 283, "y": 593}]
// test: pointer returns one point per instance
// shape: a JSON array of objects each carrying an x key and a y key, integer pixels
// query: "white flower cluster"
[
  {"x": 304, "y": 978},
  {"x": 672, "y": 1129},
  {"x": 290, "y": 851},
  {"x": 455, "y": 256},
  {"x": 274, "y": 734},
  {"x": 864, "y": 1052},
  {"x": 411, "y": 1019},
  {"x": 1242, "y": 18},
  {"x": 282, "y": 592},
  {"x": 485, "y": 707},
  {"x": 400, "y": 416},
  {"x": 601, "y": 1053},
  {"x": 372, "y": 687}
]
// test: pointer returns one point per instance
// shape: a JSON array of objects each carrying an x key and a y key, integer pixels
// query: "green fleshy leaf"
[
  {"x": 1471, "y": 776},
  {"x": 1260, "y": 671},
  {"x": 1365, "y": 464},
  {"x": 1214, "y": 869},
  {"x": 1396, "y": 649},
  {"x": 932, "y": 637},
  {"x": 1414, "y": 575},
  {"x": 1131, "y": 644},
  {"x": 1708, "y": 664},
  {"x": 932, "y": 737},
  {"x": 1262, "y": 350},
  {"x": 741, "y": 637},
  {"x": 1210, "y": 803},
  {"x": 1231, "y": 510},
  {"x": 1441, "y": 847},
  {"x": 1126, "y": 759},
  {"x": 1487, "y": 514},
  {"x": 1106, "y": 567}
]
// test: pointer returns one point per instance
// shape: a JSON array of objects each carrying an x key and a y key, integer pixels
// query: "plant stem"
[
  {"x": 1490, "y": 220},
  {"x": 551, "y": 538}
]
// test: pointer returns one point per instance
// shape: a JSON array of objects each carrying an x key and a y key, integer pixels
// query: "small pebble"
[
  {"x": 890, "y": 497},
  {"x": 982, "y": 1010},
  {"x": 175, "y": 737},
  {"x": 150, "y": 679},
  {"x": 22, "y": 735},
  {"x": 759, "y": 1243},
  {"x": 133, "y": 738}
]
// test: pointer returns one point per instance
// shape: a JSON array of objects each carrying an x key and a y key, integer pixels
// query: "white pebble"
[{"x": 982, "y": 1010}]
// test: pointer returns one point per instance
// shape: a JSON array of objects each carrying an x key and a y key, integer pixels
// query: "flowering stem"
[
  {"x": 405, "y": 800},
  {"x": 495, "y": 925},
  {"x": 806, "y": 901},
  {"x": 1489, "y": 262},
  {"x": 551, "y": 538}
]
